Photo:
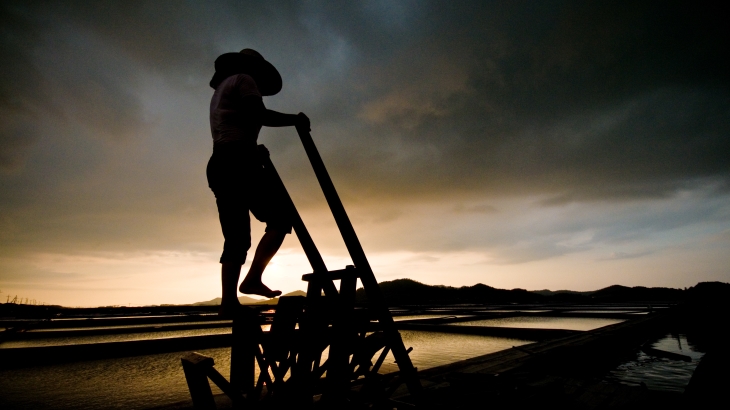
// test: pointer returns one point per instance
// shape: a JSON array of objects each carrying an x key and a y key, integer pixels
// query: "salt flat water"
[
  {"x": 659, "y": 373},
  {"x": 543, "y": 322},
  {"x": 158, "y": 325},
  {"x": 411, "y": 317},
  {"x": 125, "y": 383},
  {"x": 155, "y": 380},
  {"x": 431, "y": 349},
  {"x": 123, "y": 337}
]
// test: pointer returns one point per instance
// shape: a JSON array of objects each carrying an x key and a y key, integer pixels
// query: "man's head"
[{"x": 250, "y": 62}]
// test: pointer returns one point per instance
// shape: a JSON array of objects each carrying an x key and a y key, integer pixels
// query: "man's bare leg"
[
  {"x": 230, "y": 272},
  {"x": 266, "y": 249}
]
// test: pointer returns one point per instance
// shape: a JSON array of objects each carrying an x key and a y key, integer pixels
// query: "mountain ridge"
[
  {"x": 246, "y": 300},
  {"x": 408, "y": 291}
]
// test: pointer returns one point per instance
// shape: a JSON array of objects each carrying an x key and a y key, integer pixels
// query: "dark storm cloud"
[
  {"x": 561, "y": 95},
  {"x": 16, "y": 111},
  {"x": 578, "y": 101},
  {"x": 56, "y": 76},
  {"x": 569, "y": 101}
]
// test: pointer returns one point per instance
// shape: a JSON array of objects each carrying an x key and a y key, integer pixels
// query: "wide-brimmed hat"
[{"x": 250, "y": 62}]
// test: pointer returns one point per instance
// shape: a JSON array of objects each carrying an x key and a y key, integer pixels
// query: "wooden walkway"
[{"x": 559, "y": 373}]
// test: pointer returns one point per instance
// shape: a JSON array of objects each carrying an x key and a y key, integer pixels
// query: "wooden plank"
[
  {"x": 305, "y": 239},
  {"x": 195, "y": 367},
  {"x": 354, "y": 248},
  {"x": 198, "y": 360},
  {"x": 348, "y": 287},
  {"x": 332, "y": 275},
  {"x": 288, "y": 311},
  {"x": 246, "y": 339},
  {"x": 226, "y": 387},
  {"x": 314, "y": 289},
  {"x": 338, "y": 372}
]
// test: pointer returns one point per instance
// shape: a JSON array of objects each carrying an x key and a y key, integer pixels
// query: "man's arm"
[{"x": 270, "y": 118}]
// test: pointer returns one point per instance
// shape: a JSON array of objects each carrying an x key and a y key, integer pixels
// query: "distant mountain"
[
  {"x": 245, "y": 300},
  {"x": 407, "y": 291},
  {"x": 618, "y": 293},
  {"x": 546, "y": 292},
  {"x": 411, "y": 292},
  {"x": 274, "y": 301},
  {"x": 565, "y": 296}
]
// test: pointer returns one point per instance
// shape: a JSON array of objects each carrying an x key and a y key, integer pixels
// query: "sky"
[{"x": 557, "y": 144}]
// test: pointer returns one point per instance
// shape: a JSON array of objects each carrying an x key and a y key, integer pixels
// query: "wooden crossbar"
[{"x": 348, "y": 272}]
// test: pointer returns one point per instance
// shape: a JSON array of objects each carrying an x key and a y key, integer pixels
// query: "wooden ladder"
[{"x": 327, "y": 317}]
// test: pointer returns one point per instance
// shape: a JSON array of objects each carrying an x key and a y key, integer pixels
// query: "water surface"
[
  {"x": 122, "y": 337},
  {"x": 156, "y": 380},
  {"x": 659, "y": 373},
  {"x": 541, "y": 322}
]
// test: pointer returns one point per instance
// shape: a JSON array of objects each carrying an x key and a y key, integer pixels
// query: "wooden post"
[
  {"x": 357, "y": 254},
  {"x": 305, "y": 239},
  {"x": 338, "y": 372},
  {"x": 243, "y": 350},
  {"x": 195, "y": 367},
  {"x": 348, "y": 287}
]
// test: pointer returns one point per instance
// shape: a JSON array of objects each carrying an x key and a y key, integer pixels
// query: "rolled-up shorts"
[{"x": 239, "y": 184}]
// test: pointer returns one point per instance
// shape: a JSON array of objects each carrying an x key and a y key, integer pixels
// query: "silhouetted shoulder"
[{"x": 245, "y": 85}]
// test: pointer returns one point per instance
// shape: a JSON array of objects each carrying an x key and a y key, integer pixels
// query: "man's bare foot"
[
  {"x": 228, "y": 310},
  {"x": 258, "y": 289}
]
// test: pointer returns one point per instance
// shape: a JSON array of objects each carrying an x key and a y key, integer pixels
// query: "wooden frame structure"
[{"x": 322, "y": 334}]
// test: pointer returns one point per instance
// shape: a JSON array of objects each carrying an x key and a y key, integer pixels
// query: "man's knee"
[
  {"x": 282, "y": 228},
  {"x": 235, "y": 250}
]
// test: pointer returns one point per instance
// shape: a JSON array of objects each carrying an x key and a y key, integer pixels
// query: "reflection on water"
[
  {"x": 55, "y": 341},
  {"x": 72, "y": 340},
  {"x": 155, "y": 380},
  {"x": 600, "y": 311},
  {"x": 435, "y": 349},
  {"x": 411, "y": 317},
  {"x": 659, "y": 373},
  {"x": 157, "y": 325},
  {"x": 104, "y": 317},
  {"x": 126, "y": 383},
  {"x": 567, "y": 323}
]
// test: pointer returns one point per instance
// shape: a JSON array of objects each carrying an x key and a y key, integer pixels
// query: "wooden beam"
[
  {"x": 354, "y": 248},
  {"x": 305, "y": 239},
  {"x": 247, "y": 335},
  {"x": 339, "y": 274},
  {"x": 196, "y": 367}
]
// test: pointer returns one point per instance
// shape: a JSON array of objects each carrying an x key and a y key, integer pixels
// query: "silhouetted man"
[{"x": 237, "y": 113}]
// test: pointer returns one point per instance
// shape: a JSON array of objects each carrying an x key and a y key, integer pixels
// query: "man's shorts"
[{"x": 240, "y": 185}]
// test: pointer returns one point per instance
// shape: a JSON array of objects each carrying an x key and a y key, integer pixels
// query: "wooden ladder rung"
[{"x": 348, "y": 272}]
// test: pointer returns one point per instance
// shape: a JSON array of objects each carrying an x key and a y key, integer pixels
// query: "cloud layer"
[{"x": 517, "y": 130}]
